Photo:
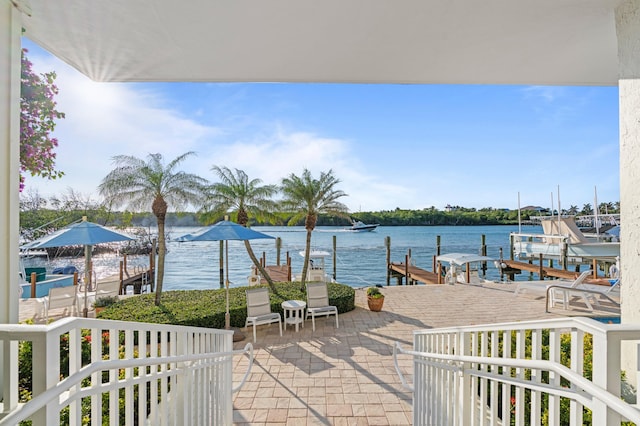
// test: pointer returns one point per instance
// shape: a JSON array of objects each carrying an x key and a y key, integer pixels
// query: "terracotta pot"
[{"x": 375, "y": 304}]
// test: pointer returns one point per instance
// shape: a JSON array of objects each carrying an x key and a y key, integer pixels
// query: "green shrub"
[
  {"x": 206, "y": 308},
  {"x": 104, "y": 301}
]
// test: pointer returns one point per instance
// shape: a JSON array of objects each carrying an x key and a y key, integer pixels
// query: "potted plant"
[
  {"x": 102, "y": 302},
  {"x": 375, "y": 299}
]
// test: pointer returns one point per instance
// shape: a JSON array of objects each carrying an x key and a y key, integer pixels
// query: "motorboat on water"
[{"x": 358, "y": 226}]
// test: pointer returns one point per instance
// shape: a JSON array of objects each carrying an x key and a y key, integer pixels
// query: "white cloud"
[
  {"x": 275, "y": 157},
  {"x": 107, "y": 119}
]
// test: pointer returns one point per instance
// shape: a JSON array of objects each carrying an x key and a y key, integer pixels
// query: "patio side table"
[{"x": 293, "y": 312}]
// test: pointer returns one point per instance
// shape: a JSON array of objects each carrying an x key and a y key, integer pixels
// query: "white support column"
[
  {"x": 628, "y": 33},
  {"x": 10, "y": 30}
]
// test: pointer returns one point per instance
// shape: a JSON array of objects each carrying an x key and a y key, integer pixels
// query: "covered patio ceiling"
[{"x": 546, "y": 42}]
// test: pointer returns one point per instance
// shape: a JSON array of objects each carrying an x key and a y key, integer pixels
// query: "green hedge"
[{"x": 206, "y": 308}]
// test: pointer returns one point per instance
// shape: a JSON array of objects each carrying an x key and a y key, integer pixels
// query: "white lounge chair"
[
  {"x": 61, "y": 297},
  {"x": 590, "y": 293},
  {"x": 259, "y": 310},
  {"x": 539, "y": 288},
  {"x": 318, "y": 302}
]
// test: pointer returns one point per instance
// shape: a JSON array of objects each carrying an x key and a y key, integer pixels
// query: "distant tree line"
[{"x": 69, "y": 207}]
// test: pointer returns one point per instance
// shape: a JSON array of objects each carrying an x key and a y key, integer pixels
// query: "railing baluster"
[
  {"x": 75, "y": 363},
  {"x": 96, "y": 378},
  {"x": 506, "y": 372},
  {"x": 114, "y": 406},
  {"x": 474, "y": 380},
  {"x": 164, "y": 394},
  {"x": 482, "y": 406},
  {"x": 536, "y": 397},
  {"x": 520, "y": 374},
  {"x": 464, "y": 382},
  {"x": 577, "y": 364},
  {"x": 128, "y": 374},
  {"x": 554, "y": 379},
  {"x": 493, "y": 389}
]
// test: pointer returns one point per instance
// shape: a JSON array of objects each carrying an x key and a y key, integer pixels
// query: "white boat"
[
  {"x": 463, "y": 268},
  {"x": 562, "y": 238},
  {"x": 316, "y": 269},
  {"x": 44, "y": 280},
  {"x": 358, "y": 226}
]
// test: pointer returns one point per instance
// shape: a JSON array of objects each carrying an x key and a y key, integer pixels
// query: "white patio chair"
[
  {"x": 259, "y": 310},
  {"x": 318, "y": 303},
  {"x": 560, "y": 295},
  {"x": 61, "y": 297}
]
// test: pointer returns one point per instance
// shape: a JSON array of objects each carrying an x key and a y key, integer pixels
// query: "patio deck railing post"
[
  {"x": 45, "y": 373},
  {"x": 464, "y": 381},
  {"x": 554, "y": 379},
  {"x": 182, "y": 408},
  {"x": 606, "y": 374},
  {"x": 577, "y": 364}
]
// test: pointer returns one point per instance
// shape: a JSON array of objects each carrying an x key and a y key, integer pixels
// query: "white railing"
[
  {"x": 553, "y": 372},
  {"x": 114, "y": 372},
  {"x": 531, "y": 246}
]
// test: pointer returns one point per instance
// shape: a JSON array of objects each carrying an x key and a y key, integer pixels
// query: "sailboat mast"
[
  {"x": 595, "y": 212},
  {"x": 519, "y": 221}
]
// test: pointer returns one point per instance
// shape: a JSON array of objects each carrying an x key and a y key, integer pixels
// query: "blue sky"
[{"x": 406, "y": 146}]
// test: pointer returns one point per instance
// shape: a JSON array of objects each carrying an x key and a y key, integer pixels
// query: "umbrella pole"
[
  {"x": 227, "y": 319},
  {"x": 237, "y": 334},
  {"x": 87, "y": 277}
]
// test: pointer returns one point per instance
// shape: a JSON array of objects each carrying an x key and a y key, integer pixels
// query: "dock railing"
[
  {"x": 114, "y": 372},
  {"x": 560, "y": 371}
]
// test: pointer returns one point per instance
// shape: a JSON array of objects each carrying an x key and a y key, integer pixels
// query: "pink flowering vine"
[{"x": 37, "y": 120}]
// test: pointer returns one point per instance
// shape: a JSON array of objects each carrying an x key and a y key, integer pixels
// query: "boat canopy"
[
  {"x": 316, "y": 253},
  {"x": 462, "y": 258}
]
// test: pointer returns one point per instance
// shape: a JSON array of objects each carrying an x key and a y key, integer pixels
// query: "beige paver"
[{"x": 346, "y": 376}]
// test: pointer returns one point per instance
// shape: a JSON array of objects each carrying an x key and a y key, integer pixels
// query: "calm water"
[{"x": 360, "y": 258}]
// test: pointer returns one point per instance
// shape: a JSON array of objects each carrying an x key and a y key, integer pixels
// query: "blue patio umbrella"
[
  {"x": 82, "y": 233},
  {"x": 224, "y": 231}
]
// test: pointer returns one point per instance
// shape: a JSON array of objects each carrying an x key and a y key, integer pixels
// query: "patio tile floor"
[{"x": 346, "y": 376}]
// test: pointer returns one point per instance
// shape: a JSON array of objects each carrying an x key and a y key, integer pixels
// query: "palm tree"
[
  {"x": 141, "y": 183},
  {"x": 307, "y": 197},
  {"x": 244, "y": 197}
]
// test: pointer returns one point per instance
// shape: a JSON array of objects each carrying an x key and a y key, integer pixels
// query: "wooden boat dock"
[
  {"x": 141, "y": 279},
  {"x": 412, "y": 273},
  {"x": 278, "y": 273},
  {"x": 515, "y": 267}
]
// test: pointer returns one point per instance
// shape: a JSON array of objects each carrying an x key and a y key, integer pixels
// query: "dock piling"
[
  {"x": 483, "y": 251},
  {"x": 335, "y": 251},
  {"x": 387, "y": 244}
]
